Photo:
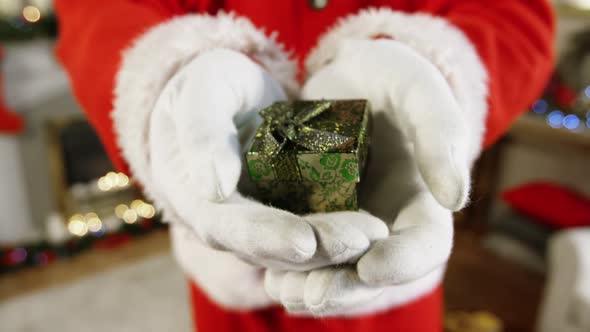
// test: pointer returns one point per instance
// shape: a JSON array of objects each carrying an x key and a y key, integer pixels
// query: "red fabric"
[
  {"x": 423, "y": 315},
  {"x": 564, "y": 95},
  {"x": 10, "y": 122},
  {"x": 550, "y": 204},
  {"x": 513, "y": 38}
]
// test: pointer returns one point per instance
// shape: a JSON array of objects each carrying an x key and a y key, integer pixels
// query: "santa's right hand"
[{"x": 195, "y": 161}]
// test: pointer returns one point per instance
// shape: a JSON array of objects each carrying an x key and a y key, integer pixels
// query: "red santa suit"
[{"x": 100, "y": 42}]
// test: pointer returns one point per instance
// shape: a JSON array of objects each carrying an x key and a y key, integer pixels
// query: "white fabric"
[
  {"x": 195, "y": 151},
  {"x": 234, "y": 284},
  {"x": 227, "y": 280},
  {"x": 339, "y": 292},
  {"x": 437, "y": 40},
  {"x": 188, "y": 157},
  {"x": 160, "y": 53},
  {"x": 424, "y": 141},
  {"x": 203, "y": 118},
  {"x": 566, "y": 302}
]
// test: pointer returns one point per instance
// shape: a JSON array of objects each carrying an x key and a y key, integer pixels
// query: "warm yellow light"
[
  {"x": 120, "y": 210},
  {"x": 122, "y": 180},
  {"x": 31, "y": 14},
  {"x": 136, "y": 204},
  {"x": 112, "y": 178},
  {"x": 105, "y": 184},
  {"x": 77, "y": 226},
  {"x": 130, "y": 216},
  {"x": 77, "y": 217},
  {"x": 146, "y": 210},
  {"x": 93, "y": 222}
]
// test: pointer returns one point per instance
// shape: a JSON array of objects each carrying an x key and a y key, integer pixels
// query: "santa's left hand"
[{"x": 421, "y": 153}]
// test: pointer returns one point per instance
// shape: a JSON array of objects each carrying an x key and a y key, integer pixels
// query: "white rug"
[{"x": 150, "y": 295}]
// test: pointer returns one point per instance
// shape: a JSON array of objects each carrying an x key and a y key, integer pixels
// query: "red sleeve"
[
  {"x": 515, "y": 42},
  {"x": 92, "y": 36},
  {"x": 512, "y": 41}
]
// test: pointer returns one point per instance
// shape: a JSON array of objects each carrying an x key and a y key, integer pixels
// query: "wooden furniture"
[{"x": 478, "y": 280}]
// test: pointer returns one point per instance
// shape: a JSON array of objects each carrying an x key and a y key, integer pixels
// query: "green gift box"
[{"x": 308, "y": 156}]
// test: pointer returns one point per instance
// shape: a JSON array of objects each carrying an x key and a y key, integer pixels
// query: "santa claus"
[{"x": 172, "y": 87}]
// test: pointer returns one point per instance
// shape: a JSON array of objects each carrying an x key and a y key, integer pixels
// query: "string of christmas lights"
[
  {"x": 574, "y": 116},
  {"x": 81, "y": 231}
]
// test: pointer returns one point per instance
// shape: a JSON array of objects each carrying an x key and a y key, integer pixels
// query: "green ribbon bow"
[{"x": 282, "y": 122}]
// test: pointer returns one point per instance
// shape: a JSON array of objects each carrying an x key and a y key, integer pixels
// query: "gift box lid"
[{"x": 312, "y": 126}]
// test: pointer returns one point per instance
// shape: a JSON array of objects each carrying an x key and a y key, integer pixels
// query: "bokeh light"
[
  {"x": 146, "y": 210},
  {"x": 77, "y": 225},
  {"x": 18, "y": 255},
  {"x": 555, "y": 119},
  {"x": 93, "y": 222},
  {"x": 41, "y": 258},
  {"x": 31, "y": 14},
  {"x": 571, "y": 121},
  {"x": 105, "y": 184},
  {"x": 130, "y": 216},
  {"x": 136, "y": 204},
  {"x": 112, "y": 181},
  {"x": 540, "y": 106},
  {"x": 122, "y": 180},
  {"x": 120, "y": 210}
]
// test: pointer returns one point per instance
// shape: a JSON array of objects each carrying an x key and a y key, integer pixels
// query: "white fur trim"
[
  {"x": 446, "y": 47},
  {"x": 400, "y": 295},
  {"x": 225, "y": 279},
  {"x": 147, "y": 66},
  {"x": 434, "y": 38},
  {"x": 159, "y": 53}
]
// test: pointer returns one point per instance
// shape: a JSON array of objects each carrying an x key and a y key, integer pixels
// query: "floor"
[
  {"x": 476, "y": 280},
  {"x": 146, "y": 295},
  {"x": 479, "y": 280},
  {"x": 86, "y": 264}
]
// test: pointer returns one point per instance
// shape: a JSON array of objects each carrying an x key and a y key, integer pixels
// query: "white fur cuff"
[
  {"x": 436, "y": 39},
  {"x": 162, "y": 51}
]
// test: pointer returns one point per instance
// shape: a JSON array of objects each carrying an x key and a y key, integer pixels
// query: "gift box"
[{"x": 309, "y": 156}]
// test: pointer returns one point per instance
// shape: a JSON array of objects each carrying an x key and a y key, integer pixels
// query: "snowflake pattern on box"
[{"x": 322, "y": 177}]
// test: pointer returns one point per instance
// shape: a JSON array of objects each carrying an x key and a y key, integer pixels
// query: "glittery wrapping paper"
[{"x": 309, "y": 156}]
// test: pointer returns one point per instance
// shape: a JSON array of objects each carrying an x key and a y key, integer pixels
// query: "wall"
[
  {"x": 15, "y": 217},
  {"x": 37, "y": 88}
]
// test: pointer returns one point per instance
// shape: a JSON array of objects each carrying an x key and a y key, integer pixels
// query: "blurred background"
[{"x": 82, "y": 250}]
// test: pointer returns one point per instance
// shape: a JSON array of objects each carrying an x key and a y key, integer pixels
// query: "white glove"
[
  {"x": 418, "y": 173},
  {"x": 203, "y": 117}
]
